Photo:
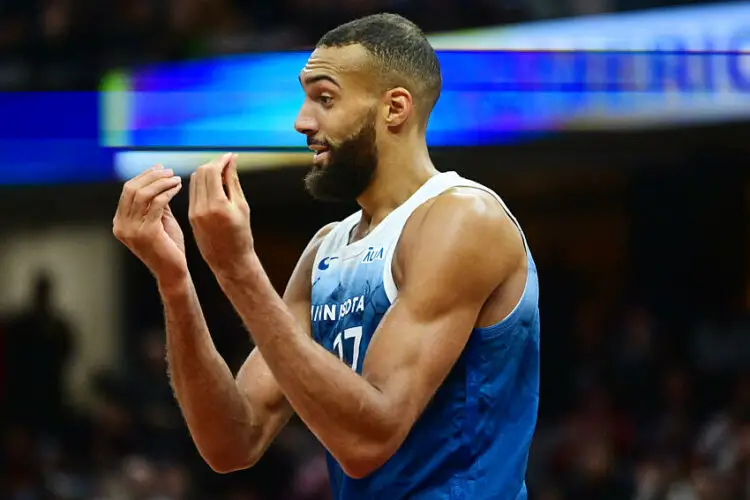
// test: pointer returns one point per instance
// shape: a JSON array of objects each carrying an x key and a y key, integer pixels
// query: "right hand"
[{"x": 146, "y": 225}]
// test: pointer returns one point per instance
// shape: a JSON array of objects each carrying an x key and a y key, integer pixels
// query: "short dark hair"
[{"x": 401, "y": 52}]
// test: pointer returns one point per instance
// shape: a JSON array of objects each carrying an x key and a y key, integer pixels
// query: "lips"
[
  {"x": 321, "y": 157},
  {"x": 322, "y": 152}
]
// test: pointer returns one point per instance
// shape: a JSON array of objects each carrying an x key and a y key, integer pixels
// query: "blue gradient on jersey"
[
  {"x": 472, "y": 441},
  {"x": 352, "y": 294}
]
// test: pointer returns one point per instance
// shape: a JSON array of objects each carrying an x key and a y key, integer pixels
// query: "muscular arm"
[
  {"x": 231, "y": 421},
  {"x": 362, "y": 420}
]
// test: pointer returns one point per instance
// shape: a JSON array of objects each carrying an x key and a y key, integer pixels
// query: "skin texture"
[
  {"x": 475, "y": 279},
  {"x": 232, "y": 421}
]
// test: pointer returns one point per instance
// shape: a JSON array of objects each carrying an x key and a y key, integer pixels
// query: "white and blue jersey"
[{"x": 472, "y": 441}]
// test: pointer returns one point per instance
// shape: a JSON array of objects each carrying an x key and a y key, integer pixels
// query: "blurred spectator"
[
  {"x": 596, "y": 474},
  {"x": 22, "y": 475},
  {"x": 38, "y": 347},
  {"x": 150, "y": 397},
  {"x": 636, "y": 362}
]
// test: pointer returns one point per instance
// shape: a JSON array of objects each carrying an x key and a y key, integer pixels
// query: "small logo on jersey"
[
  {"x": 326, "y": 263},
  {"x": 373, "y": 254}
]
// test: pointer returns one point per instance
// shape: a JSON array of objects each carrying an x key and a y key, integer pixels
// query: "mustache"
[{"x": 316, "y": 142}]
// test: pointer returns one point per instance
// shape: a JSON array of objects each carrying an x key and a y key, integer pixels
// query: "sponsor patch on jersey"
[
  {"x": 326, "y": 263},
  {"x": 373, "y": 254}
]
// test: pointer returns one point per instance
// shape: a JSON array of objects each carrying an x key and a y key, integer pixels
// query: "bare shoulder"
[
  {"x": 319, "y": 236},
  {"x": 461, "y": 252},
  {"x": 300, "y": 281},
  {"x": 465, "y": 221}
]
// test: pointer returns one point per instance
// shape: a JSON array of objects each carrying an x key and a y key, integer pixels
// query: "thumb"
[{"x": 232, "y": 180}]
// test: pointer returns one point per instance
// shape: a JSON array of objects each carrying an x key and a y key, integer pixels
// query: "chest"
[{"x": 348, "y": 300}]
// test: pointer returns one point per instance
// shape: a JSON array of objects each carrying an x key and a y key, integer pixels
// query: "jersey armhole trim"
[
  {"x": 334, "y": 240},
  {"x": 327, "y": 242},
  {"x": 389, "y": 284}
]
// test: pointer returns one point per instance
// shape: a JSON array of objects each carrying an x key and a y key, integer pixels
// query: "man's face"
[{"x": 339, "y": 119}]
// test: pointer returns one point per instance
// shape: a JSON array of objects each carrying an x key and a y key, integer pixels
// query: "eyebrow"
[{"x": 309, "y": 80}]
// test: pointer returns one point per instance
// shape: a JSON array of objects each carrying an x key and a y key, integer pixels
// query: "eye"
[{"x": 325, "y": 100}]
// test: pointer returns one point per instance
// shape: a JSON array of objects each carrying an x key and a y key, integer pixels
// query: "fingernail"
[
  {"x": 158, "y": 167},
  {"x": 168, "y": 172}
]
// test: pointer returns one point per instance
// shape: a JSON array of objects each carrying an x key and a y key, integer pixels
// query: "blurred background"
[{"x": 617, "y": 130}]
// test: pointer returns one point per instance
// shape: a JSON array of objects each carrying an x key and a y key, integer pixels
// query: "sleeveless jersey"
[{"x": 472, "y": 441}]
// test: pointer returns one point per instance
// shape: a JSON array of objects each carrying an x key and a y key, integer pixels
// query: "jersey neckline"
[{"x": 357, "y": 216}]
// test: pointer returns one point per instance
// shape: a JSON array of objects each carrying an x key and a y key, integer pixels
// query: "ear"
[{"x": 398, "y": 106}]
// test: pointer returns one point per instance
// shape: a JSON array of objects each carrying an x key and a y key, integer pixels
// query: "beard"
[{"x": 350, "y": 168}]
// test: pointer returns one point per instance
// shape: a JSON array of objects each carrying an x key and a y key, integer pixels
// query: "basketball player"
[{"x": 407, "y": 339}]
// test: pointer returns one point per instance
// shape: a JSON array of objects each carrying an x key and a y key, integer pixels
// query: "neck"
[{"x": 398, "y": 176}]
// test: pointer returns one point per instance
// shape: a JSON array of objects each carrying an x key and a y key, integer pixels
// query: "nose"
[{"x": 306, "y": 123}]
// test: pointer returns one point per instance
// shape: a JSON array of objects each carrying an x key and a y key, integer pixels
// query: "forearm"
[
  {"x": 218, "y": 417},
  {"x": 341, "y": 408}
]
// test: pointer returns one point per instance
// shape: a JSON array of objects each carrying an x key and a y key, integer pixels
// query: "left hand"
[{"x": 221, "y": 218}]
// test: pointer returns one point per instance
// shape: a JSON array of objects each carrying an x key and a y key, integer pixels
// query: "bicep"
[
  {"x": 443, "y": 291},
  {"x": 414, "y": 350}
]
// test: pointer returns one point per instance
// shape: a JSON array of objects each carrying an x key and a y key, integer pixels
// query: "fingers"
[
  {"x": 146, "y": 200},
  {"x": 146, "y": 194},
  {"x": 137, "y": 179},
  {"x": 128, "y": 190},
  {"x": 160, "y": 203},
  {"x": 232, "y": 181},
  {"x": 192, "y": 195},
  {"x": 133, "y": 186},
  {"x": 206, "y": 185},
  {"x": 213, "y": 179}
]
